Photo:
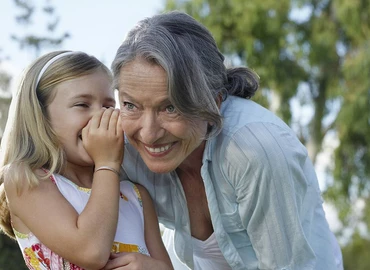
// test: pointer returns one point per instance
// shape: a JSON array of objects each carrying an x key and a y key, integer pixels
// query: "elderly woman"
[{"x": 231, "y": 182}]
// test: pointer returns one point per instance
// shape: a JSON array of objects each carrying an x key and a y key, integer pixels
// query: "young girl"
[{"x": 60, "y": 194}]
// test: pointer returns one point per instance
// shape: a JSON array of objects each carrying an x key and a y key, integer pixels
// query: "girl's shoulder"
[
  {"x": 19, "y": 182},
  {"x": 21, "y": 188}
]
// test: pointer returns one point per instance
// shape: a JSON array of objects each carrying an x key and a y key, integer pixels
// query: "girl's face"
[
  {"x": 74, "y": 104},
  {"x": 151, "y": 123}
]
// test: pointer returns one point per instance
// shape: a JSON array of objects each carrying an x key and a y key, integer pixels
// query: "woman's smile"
[{"x": 159, "y": 150}]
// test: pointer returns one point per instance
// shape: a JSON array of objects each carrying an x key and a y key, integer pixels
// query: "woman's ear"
[{"x": 219, "y": 99}]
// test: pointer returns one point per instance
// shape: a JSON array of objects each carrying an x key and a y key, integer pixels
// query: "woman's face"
[{"x": 163, "y": 137}]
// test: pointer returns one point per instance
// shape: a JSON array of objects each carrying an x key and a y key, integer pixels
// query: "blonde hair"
[{"x": 29, "y": 142}]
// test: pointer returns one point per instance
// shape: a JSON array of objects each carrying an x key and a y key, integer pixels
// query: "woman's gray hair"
[{"x": 195, "y": 68}]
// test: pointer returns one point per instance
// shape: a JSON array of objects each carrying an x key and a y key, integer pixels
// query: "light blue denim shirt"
[{"x": 262, "y": 193}]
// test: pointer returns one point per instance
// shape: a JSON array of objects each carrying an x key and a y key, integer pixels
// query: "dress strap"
[{"x": 51, "y": 177}]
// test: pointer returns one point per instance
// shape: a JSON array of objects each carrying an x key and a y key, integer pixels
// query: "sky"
[{"x": 96, "y": 27}]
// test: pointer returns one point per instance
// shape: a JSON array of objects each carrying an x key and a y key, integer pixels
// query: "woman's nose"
[{"x": 151, "y": 128}]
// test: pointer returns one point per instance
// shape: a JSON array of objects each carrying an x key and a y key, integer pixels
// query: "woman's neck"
[{"x": 193, "y": 163}]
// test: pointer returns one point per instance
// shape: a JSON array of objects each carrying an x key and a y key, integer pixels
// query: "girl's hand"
[
  {"x": 134, "y": 261},
  {"x": 103, "y": 138}
]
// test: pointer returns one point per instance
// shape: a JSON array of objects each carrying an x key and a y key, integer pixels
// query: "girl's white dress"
[{"x": 129, "y": 235}]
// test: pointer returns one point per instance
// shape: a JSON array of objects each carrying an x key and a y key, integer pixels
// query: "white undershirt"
[{"x": 207, "y": 254}]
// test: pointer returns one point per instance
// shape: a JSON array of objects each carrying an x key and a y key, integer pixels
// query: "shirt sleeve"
[{"x": 264, "y": 162}]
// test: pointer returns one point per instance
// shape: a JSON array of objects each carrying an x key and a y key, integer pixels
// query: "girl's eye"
[
  {"x": 83, "y": 105},
  {"x": 170, "y": 109}
]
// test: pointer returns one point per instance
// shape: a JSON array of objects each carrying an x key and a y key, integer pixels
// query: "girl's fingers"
[
  {"x": 113, "y": 120},
  {"x": 85, "y": 130},
  {"x": 117, "y": 261},
  {"x": 119, "y": 128},
  {"x": 96, "y": 119},
  {"x": 105, "y": 118},
  {"x": 116, "y": 255}
]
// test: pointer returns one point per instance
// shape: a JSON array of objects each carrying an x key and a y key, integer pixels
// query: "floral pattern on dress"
[{"x": 39, "y": 257}]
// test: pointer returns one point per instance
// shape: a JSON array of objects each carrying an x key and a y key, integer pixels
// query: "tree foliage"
[
  {"x": 356, "y": 255},
  {"x": 37, "y": 42},
  {"x": 316, "y": 53},
  {"x": 10, "y": 255}
]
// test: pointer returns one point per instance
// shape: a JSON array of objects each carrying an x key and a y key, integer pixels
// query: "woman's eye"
[
  {"x": 171, "y": 109},
  {"x": 129, "y": 106}
]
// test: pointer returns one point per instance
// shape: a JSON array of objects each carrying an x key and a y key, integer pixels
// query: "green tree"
[
  {"x": 36, "y": 42},
  {"x": 352, "y": 157},
  {"x": 10, "y": 256},
  {"x": 315, "y": 52},
  {"x": 356, "y": 255}
]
